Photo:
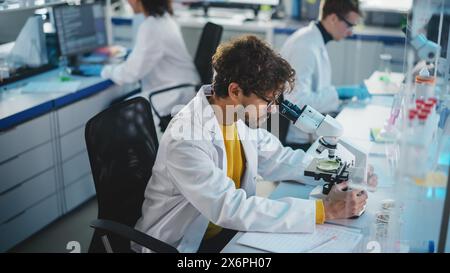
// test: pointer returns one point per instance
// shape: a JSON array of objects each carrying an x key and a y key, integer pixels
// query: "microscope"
[
  {"x": 335, "y": 160},
  {"x": 426, "y": 50}
]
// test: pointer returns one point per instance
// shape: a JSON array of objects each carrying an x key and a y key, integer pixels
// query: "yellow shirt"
[
  {"x": 320, "y": 212},
  {"x": 235, "y": 165},
  {"x": 235, "y": 169}
]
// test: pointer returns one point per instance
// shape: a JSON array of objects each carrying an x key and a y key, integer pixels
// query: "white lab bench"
[
  {"x": 44, "y": 166},
  {"x": 357, "y": 121},
  {"x": 359, "y": 54}
]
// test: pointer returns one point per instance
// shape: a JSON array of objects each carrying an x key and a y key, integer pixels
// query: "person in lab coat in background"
[
  {"x": 305, "y": 50},
  {"x": 159, "y": 58},
  {"x": 203, "y": 183}
]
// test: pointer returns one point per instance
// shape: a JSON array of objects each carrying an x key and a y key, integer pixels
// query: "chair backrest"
[
  {"x": 209, "y": 40},
  {"x": 122, "y": 145}
]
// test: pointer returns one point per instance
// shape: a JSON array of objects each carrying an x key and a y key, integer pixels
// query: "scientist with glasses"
[
  {"x": 306, "y": 51},
  {"x": 203, "y": 184}
]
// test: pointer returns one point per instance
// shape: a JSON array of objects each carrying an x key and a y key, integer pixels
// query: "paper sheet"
[
  {"x": 376, "y": 86},
  {"x": 326, "y": 239}
]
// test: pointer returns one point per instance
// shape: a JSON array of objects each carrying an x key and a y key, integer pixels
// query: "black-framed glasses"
[
  {"x": 270, "y": 102},
  {"x": 342, "y": 18}
]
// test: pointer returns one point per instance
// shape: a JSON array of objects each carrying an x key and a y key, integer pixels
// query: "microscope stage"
[
  {"x": 329, "y": 170},
  {"x": 328, "y": 165}
]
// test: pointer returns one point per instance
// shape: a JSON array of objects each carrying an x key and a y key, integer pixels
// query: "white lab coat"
[
  {"x": 189, "y": 186},
  {"x": 306, "y": 52},
  {"x": 136, "y": 23},
  {"x": 159, "y": 59}
]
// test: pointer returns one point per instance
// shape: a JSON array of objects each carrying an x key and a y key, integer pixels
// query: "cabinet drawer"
[
  {"x": 72, "y": 143},
  {"x": 27, "y": 194},
  {"x": 25, "y": 136},
  {"x": 78, "y": 192},
  {"x": 75, "y": 168},
  {"x": 28, "y": 222},
  {"x": 25, "y": 166},
  {"x": 77, "y": 114}
]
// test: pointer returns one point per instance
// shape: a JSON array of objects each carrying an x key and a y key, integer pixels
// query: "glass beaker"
[
  {"x": 4, "y": 70},
  {"x": 64, "y": 72},
  {"x": 385, "y": 67}
]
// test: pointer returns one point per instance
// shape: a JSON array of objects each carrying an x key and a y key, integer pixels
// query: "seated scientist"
[
  {"x": 202, "y": 190},
  {"x": 159, "y": 58}
]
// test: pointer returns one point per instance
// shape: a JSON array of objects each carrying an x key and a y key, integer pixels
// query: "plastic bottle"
[
  {"x": 413, "y": 150},
  {"x": 421, "y": 246},
  {"x": 431, "y": 104},
  {"x": 412, "y": 121},
  {"x": 419, "y": 103},
  {"x": 265, "y": 12},
  {"x": 296, "y": 10},
  {"x": 424, "y": 84},
  {"x": 422, "y": 116}
]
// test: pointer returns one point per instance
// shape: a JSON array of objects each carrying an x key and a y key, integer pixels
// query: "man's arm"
[
  {"x": 207, "y": 187},
  {"x": 276, "y": 162},
  {"x": 143, "y": 58}
]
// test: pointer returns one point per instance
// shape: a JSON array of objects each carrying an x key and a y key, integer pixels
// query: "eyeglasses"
[
  {"x": 342, "y": 18},
  {"x": 271, "y": 102}
]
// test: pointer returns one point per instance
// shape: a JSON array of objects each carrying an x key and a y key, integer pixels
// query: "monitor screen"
[{"x": 80, "y": 28}]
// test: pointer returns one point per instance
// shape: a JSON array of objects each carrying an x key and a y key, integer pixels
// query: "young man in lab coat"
[
  {"x": 203, "y": 184},
  {"x": 306, "y": 51}
]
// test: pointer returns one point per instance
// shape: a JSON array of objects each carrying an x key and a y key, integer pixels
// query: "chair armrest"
[
  {"x": 159, "y": 91},
  {"x": 126, "y": 96},
  {"x": 164, "y": 90},
  {"x": 131, "y": 234}
]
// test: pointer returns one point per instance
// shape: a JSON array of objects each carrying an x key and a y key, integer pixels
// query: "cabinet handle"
[
  {"x": 9, "y": 159},
  {"x": 7, "y": 130},
  {"x": 11, "y": 189},
  {"x": 14, "y": 217}
]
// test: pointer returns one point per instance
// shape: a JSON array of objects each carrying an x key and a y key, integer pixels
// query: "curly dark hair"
[
  {"x": 253, "y": 65},
  {"x": 157, "y": 8}
]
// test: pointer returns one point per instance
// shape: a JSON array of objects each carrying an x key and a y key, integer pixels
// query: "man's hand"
[{"x": 341, "y": 203}]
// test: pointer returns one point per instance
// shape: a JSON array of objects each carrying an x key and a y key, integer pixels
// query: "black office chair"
[
  {"x": 122, "y": 145},
  {"x": 209, "y": 41}
]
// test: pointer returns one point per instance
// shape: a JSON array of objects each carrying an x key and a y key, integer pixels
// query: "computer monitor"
[{"x": 81, "y": 28}]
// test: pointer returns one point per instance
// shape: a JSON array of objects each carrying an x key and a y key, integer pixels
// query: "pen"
[{"x": 321, "y": 244}]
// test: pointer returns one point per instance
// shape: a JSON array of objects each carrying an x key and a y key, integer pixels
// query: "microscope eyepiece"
[{"x": 290, "y": 111}]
